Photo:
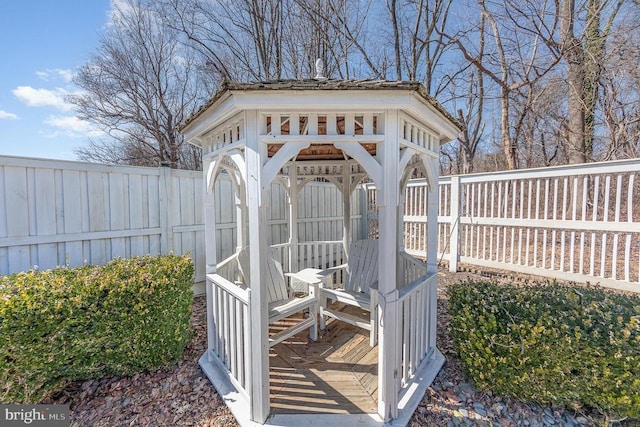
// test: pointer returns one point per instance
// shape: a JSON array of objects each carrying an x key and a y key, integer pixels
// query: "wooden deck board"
[{"x": 335, "y": 375}]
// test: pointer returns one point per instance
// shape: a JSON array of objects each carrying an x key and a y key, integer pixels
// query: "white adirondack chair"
[
  {"x": 360, "y": 288},
  {"x": 281, "y": 302}
]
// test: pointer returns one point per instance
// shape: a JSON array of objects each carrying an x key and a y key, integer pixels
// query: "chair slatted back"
[
  {"x": 275, "y": 281},
  {"x": 362, "y": 265}
]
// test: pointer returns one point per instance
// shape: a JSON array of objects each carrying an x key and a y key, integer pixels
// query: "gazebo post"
[
  {"x": 387, "y": 274},
  {"x": 433, "y": 170},
  {"x": 210, "y": 252},
  {"x": 259, "y": 338}
]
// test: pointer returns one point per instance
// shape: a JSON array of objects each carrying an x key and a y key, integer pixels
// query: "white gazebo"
[{"x": 343, "y": 132}]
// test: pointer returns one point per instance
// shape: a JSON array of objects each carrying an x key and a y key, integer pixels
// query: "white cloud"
[
  {"x": 55, "y": 73},
  {"x": 71, "y": 126},
  {"x": 5, "y": 115},
  {"x": 119, "y": 8},
  {"x": 43, "y": 97}
]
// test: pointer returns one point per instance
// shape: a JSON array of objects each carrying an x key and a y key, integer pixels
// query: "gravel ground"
[{"x": 181, "y": 395}]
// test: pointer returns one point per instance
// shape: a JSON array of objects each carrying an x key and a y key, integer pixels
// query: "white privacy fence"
[
  {"x": 69, "y": 213},
  {"x": 579, "y": 222}
]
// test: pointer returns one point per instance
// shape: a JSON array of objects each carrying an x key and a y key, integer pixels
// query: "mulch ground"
[
  {"x": 178, "y": 395},
  {"x": 181, "y": 395}
]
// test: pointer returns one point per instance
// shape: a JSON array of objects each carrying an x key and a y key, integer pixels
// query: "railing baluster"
[
  {"x": 528, "y": 241},
  {"x": 513, "y": 215},
  {"x": 603, "y": 253},
  {"x": 565, "y": 196},
  {"x": 627, "y": 252},
  {"x": 585, "y": 185},
  {"x": 614, "y": 262},
  {"x": 592, "y": 254},
  {"x": 535, "y": 231},
  {"x": 555, "y": 216}
]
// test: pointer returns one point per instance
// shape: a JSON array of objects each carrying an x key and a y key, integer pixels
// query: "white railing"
[
  {"x": 229, "y": 330},
  {"x": 411, "y": 269},
  {"x": 229, "y": 338},
  {"x": 577, "y": 222},
  {"x": 230, "y": 269},
  {"x": 417, "y": 306}
]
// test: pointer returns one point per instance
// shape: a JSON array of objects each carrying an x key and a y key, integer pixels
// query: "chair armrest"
[
  {"x": 240, "y": 284},
  {"x": 329, "y": 271}
]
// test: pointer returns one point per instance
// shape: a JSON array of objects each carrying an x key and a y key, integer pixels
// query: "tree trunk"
[
  {"x": 573, "y": 53},
  {"x": 576, "y": 149},
  {"x": 594, "y": 55},
  {"x": 509, "y": 146}
]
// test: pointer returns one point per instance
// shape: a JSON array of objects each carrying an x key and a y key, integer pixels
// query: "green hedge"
[
  {"x": 570, "y": 346},
  {"x": 69, "y": 324}
]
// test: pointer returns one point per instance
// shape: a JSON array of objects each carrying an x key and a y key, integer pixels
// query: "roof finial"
[{"x": 320, "y": 69}]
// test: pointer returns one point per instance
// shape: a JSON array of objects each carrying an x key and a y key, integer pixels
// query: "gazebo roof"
[{"x": 320, "y": 85}]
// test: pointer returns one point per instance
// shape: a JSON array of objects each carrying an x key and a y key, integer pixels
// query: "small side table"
[{"x": 301, "y": 280}]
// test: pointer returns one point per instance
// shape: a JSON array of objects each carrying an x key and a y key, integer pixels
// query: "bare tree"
[
  {"x": 471, "y": 118},
  {"x": 326, "y": 29},
  {"x": 541, "y": 123},
  {"x": 459, "y": 156},
  {"x": 516, "y": 57},
  {"x": 239, "y": 40},
  {"x": 583, "y": 53},
  {"x": 137, "y": 87},
  {"x": 620, "y": 99}
]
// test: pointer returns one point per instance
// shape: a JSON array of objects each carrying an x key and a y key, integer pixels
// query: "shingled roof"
[{"x": 321, "y": 84}]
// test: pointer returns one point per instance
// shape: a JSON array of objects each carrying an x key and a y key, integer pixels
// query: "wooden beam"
[
  {"x": 366, "y": 160},
  {"x": 321, "y": 139},
  {"x": 286, "y": 153},
  {"x": 237, "y": 157}
]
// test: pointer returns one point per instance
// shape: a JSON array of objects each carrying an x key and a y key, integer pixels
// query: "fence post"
[
  {"x": 454, "y": 225},
  {"x": 166, "y": 206}
]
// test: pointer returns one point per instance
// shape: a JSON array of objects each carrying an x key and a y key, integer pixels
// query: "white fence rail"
[
  {"x": 579, "y": 222},
  {"x": 70, "y": 213}
]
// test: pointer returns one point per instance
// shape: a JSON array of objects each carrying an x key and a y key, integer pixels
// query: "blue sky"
[{"x": 42, "y": 43}]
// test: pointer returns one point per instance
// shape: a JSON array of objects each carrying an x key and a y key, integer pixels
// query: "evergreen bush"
[
  {"x": 68, "y": 324},
  {"x": 566, "y": 345}
]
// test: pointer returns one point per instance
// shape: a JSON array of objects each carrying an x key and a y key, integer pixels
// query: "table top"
[{"x": 308, "y": 275}]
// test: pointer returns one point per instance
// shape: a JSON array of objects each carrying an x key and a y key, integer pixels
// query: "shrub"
[
  {"x": 564, "y": 345},
  {"x": 69, "y": 324}
]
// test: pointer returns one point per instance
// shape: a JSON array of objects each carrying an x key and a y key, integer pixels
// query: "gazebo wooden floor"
[{"x": 335, "y": 375}]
